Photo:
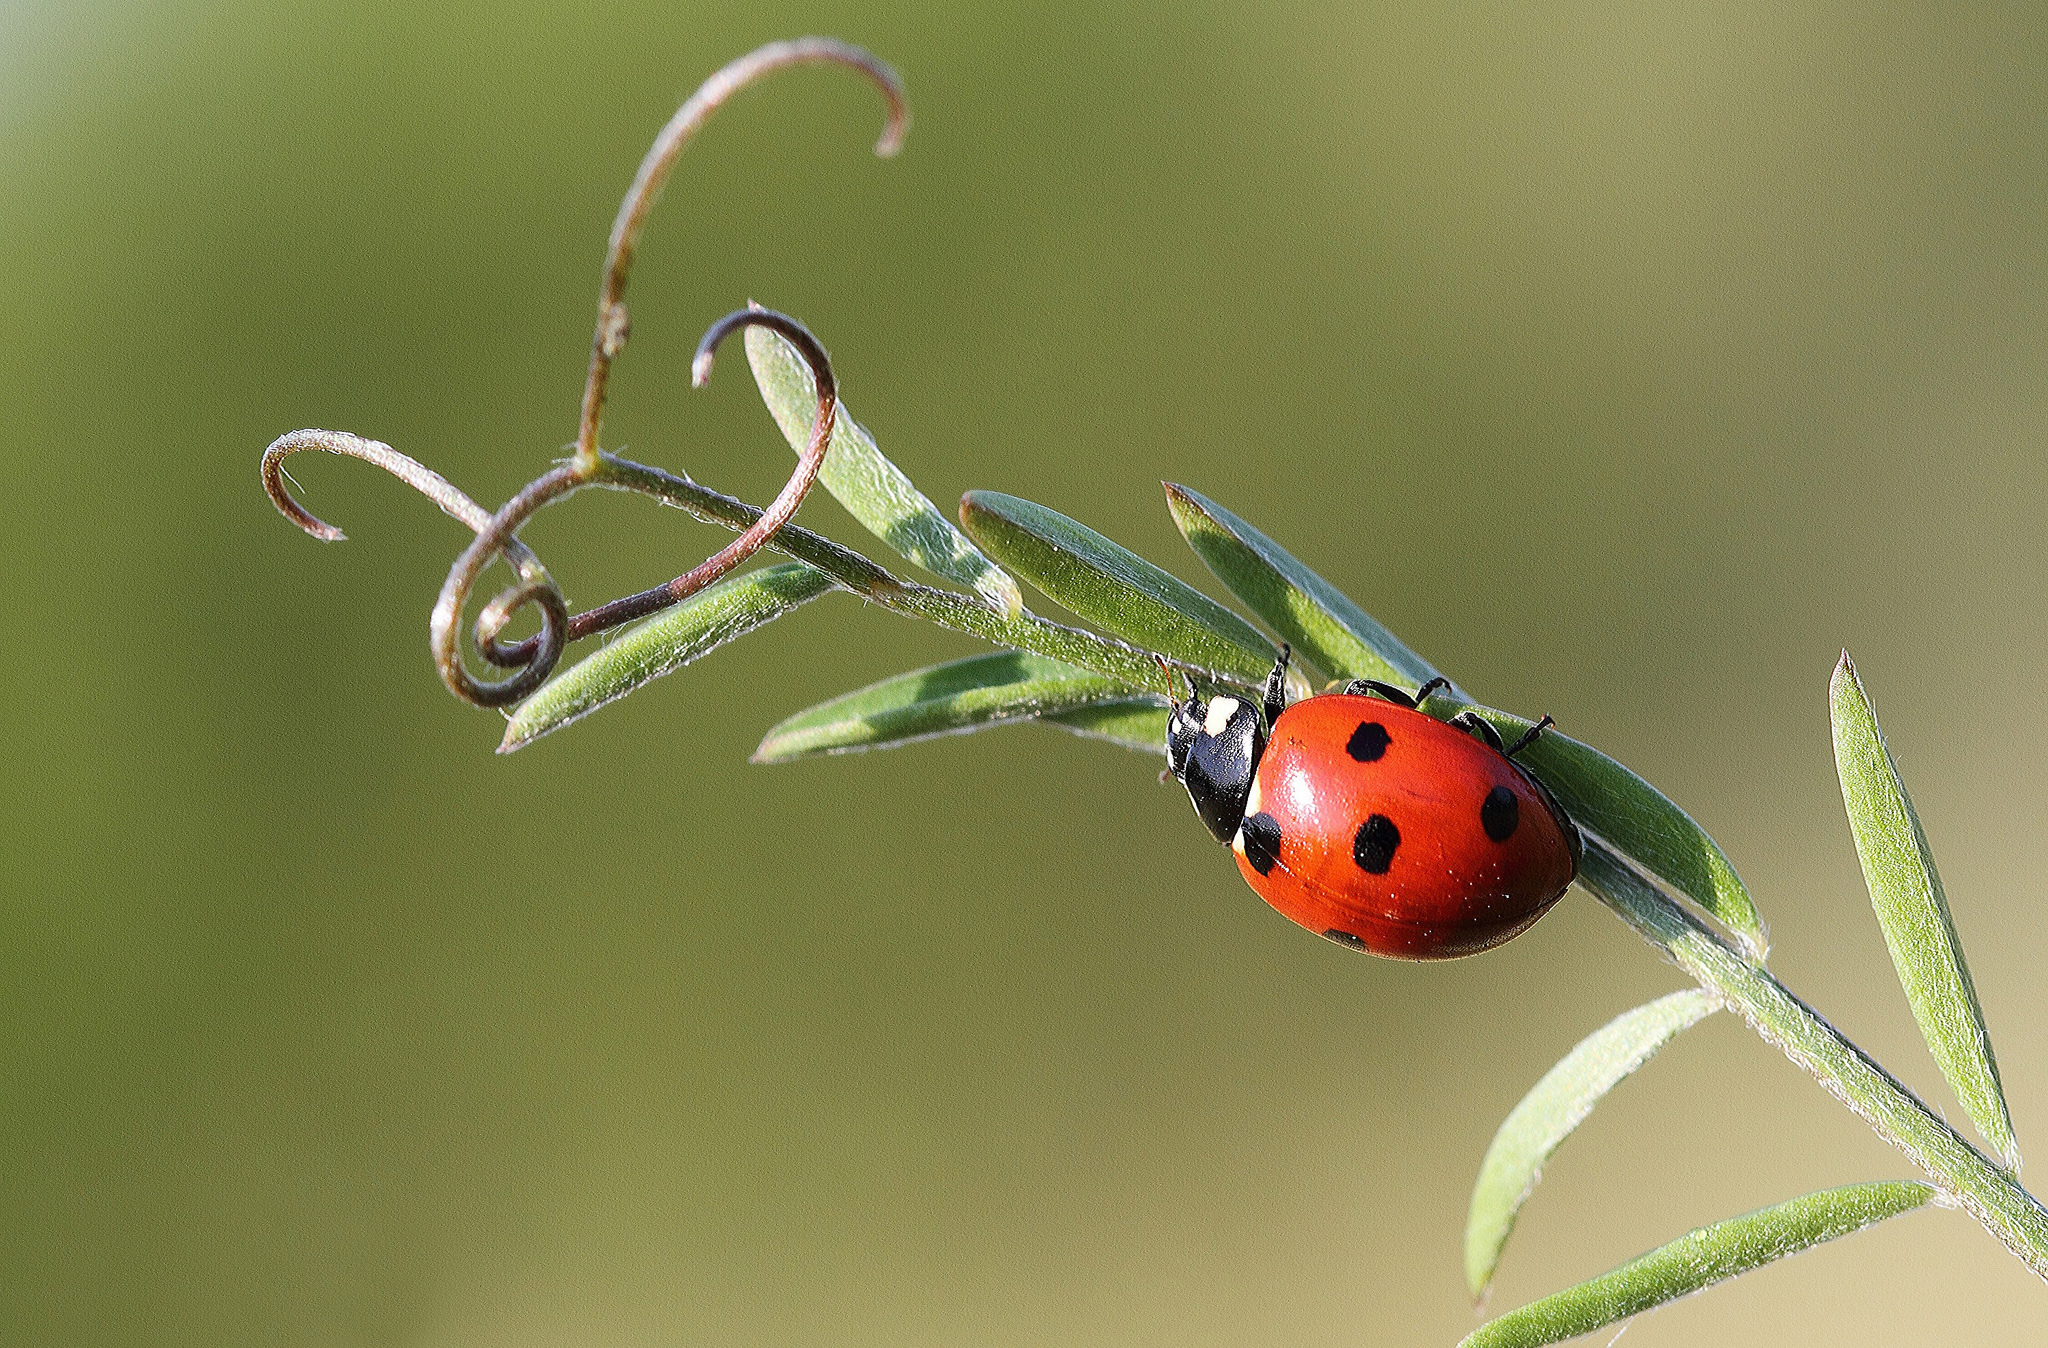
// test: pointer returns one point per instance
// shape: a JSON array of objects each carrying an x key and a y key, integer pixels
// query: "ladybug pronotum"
[{"x": 1370, "y": 822}]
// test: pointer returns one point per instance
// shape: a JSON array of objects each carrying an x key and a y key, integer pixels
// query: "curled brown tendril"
[
  {"x": 635, "y": 606},
  {"x": 404, "y": 467},
  {"x": 535, "y": 584},
  {"x": 613, "y": 324},
  {"x": 535, "y": 657}
]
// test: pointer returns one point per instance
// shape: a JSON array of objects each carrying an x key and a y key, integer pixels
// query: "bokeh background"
[{"x": 1628, "y": 363}]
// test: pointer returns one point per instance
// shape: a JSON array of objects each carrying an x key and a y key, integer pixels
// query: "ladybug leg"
[
  {"x": 1276, "y": 685},
  {"x": 1529, "y": 736},
  {"x": 1469, "y": 721},
  {"x": 1398, "y": 696}
]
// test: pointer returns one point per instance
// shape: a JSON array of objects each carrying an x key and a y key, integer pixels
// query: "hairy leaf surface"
[
  {"x": 664, "y": 643},
  {"x": 1700, "y": 1259},
  {"x": 874, "y": 491},
  {"x": 1550, "y": 1112},
  {"x": 1911, "y": 906}
]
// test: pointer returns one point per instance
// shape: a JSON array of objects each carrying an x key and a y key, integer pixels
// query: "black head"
[{"x": 1213, "y": 747}]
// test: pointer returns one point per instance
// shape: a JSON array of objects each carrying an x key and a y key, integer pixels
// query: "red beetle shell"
[{"x": 1386, "y": 837}]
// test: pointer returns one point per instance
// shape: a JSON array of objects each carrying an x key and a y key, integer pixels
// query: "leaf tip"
[
  {"x": 1183, "y": 504},
  {"x": 1478, "y": 1281},
  {"x": 1845, "y": 675},
  {"x": 977, "y": 517},
  {"x": 1007, "y": 601}
]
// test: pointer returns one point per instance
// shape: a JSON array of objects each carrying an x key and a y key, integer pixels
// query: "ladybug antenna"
[{"x": 1169, "y": 671}]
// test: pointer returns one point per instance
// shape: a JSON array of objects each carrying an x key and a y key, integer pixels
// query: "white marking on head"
[
  {"x": 1220, "y": 711},
  {"x": 1251, "y": 802},
  {"x": 1237, "y": 840}
]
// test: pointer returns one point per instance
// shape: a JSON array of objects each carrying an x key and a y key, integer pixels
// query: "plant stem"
[
  {"x": 1118, "y": 660},
  {"x": 1982, "y": 1187}
]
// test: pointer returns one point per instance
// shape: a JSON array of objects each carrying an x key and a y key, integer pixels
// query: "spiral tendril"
[{"x": 534, "y": 658}]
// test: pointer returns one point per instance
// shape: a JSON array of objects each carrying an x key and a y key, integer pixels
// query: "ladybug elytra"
[{"x": 1368, "y": 821}]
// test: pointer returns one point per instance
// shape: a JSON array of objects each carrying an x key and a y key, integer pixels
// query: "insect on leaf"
[
  {"x": 874, "y": 491},
  {"x": 666, "y": 642},
  {"x": 1642, "y": 823},
  {"x": 1341, "y": 638},
  {"x": 1550, "y": 1112},
  {"x": 1596, "y": 791},
  {"x": 1114, "y": 588},
  {"x": 1700, "y": 1259},
  {"x": 1906, "y": 892},
  {"x": 949, "y": 699}
]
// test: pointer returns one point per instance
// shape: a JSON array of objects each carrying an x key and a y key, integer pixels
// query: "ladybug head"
[{"x": 1213, "y": 747}]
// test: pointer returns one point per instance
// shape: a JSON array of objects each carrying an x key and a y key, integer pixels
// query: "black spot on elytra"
[
  {"x": 1368, "y": 742},
  {"x": 1345, "y": 938},
  {"x": 1373, "y": 848},
  {"x": 1500, "y": 814},
  {"x": 1262, "y": 842}
]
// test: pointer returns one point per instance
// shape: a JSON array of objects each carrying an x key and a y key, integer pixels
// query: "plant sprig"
[{"x": 1146, "y": 630}]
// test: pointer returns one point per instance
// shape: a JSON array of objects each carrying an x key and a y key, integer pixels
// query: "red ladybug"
[{"x": 1372, "y": 823}]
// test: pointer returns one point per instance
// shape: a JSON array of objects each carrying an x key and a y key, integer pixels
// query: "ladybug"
[{"x": 1372, "y": 823}]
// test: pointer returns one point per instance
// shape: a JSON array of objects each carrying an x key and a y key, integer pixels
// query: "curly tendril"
[
  {"x": 632, "y": 607},
  {"x": 535, "y": 586},
  {"x": 534, "y": 658},
  {"x": 613, "y": 324}
]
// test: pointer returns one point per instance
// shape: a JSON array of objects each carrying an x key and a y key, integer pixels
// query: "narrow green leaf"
[
  {"x": 1906, "y": 891},
  {"x": 874, "y": 491},
  {"x": 1341, "y": 638},
  {"x": 1131, "y": 723},
  {"x": 1550, "y": 1112},
  {"x": 1700, "y": 1259},
  {"x": 947, "y": 699},
  {"x": 1114, "y": 588},
  {"x": 667, "y": 641},
  {"x": 1642, "y": 823}
]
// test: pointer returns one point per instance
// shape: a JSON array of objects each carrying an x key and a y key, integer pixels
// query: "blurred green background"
[{"x": 1628, "y": 363}]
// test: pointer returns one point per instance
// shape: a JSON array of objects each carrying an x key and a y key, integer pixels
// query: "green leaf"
[
  {"x": 1320, "y": 621},
  {"x": 1552, "y": 1109},
  {"x": 1641, "y": 822},
  {"x": 667, "y": 641},
  {"x": 1133, "y": 723},
  {"x": 1911, "y": 907},
  {"x": 1700, "y": 1259},
  {"x": 1114, "y": 588},
  {"x": 948, "y": 699},
  {"x": 874, "y": 491}
]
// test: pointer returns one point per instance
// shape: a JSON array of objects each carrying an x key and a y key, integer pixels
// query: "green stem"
[
  {"x": 1118, "y": 660},
  {"x": 1982, "y": 1187}
]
